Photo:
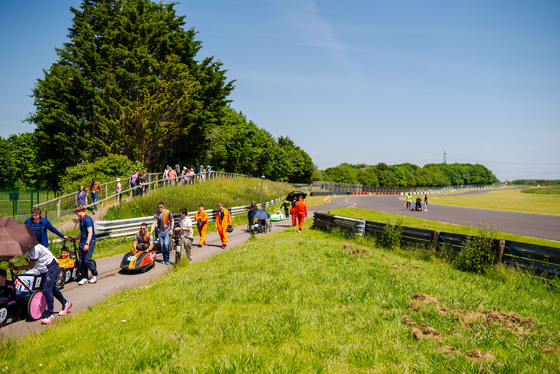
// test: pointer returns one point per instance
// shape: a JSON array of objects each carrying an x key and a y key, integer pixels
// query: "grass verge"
[{"x": 311, "y": 302}]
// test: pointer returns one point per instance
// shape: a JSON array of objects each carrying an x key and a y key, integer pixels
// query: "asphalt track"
[{"x": 111, "y": 280}]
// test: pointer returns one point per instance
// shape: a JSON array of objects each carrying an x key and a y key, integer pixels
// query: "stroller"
[
  {"x": 259, "y": 221},
  {"x": 419, "y": 204}
]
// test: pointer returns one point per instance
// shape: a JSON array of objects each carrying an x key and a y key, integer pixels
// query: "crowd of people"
[{"x": 186, "y": 175}]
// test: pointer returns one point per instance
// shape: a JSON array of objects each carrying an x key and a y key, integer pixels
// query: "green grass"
[
  {"x": 310, "y": 302},
  {"x": 426, "y": 224},
  {"x": 552, "y": 190},
  {"x": 511, "y": 200}
]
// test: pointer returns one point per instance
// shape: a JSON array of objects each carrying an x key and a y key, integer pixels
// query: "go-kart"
[
  {"x": 138, "y": 261},
  {"x": 30, "y": 302},
  {"x": 69, "y": 268}
]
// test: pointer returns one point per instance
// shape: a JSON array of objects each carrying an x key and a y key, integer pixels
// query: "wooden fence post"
[
  {"x": 58, "y": 208},
  {"x": 435, "y": 241},
  {"x": 501, "y": 245}
]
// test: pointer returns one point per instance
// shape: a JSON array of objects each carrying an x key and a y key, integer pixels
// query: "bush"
[
  {"x": 392, "y": 235},
  {"x": 477, "y": 253}
]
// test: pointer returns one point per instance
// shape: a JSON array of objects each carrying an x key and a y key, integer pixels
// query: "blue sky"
[{"x": 357, "y": 81}]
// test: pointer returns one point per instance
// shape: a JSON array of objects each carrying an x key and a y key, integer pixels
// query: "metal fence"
[
  {"x": 15, "y": 203},
  {"x": 540, "y": 258},
  {"x": 319, "y": 187},
  {"x": 128, "y": 227}
]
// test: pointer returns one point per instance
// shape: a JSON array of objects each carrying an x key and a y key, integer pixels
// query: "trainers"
[
  {"x": 82, "y": 281},
  {"x": 48, "y": 320},
  {"x": 299, "y": 231},
  {"x": 93, "y": 279},
  {"x": 66, "y": 308}
]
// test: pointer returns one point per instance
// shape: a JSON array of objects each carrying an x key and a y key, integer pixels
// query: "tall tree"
[{"x": 127, "y": 82}]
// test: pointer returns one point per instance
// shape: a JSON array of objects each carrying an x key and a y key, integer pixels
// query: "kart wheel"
[
  {"x": 36, "y": 305},
  {"x": 60, "y": 279}
]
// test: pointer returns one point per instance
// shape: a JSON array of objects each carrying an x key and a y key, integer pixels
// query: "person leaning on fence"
[
  {"x": 223, "y": 221},
  {"x": 185, "y": 232},
  {"x": 164, "y": 222},
  {"x": 201, "y": 218},
  {"x": 40, "y": 226},
  {"x": 94, "y": 190},
  {"x": 86, "y": 246},
  {"x": 143, "y": 240}
]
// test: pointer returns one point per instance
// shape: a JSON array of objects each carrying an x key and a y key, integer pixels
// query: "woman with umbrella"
[{"x": 40, "y": 226}]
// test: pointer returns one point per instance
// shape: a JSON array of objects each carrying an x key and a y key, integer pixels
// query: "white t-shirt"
[
  {"x": 185, "y": 223},
  {"x": 43, "y": 258}
]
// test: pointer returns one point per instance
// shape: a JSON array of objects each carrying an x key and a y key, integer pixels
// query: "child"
[
  {"x": 7, "y": 290},
  {"x": 64, "y": 261}
]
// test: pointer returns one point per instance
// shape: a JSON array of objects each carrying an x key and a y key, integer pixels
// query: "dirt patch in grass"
[
  {"x": 403, "y": 266},
  {"x": 425, "y": 331},
  {"x": 360, "y": 252},
  {"x": 420, "y": 299},
  {"x": 496, "y": 317}
]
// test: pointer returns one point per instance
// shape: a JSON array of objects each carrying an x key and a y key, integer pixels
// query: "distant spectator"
[
  {"x": 184, "y": 175},
  {"x": 426, "y": 202},
  {"x": 94, "y": 190},
  {"x": 146, "y": 177},
  {"x": 208, "y": 172},
  {"x": 165, "y": 173},
  {"x": 191, "y": 176},
  {"x": 171, "y": 176},
  {"x": 40, "y": 226},
  {"x": 81, "y": 196},
  {"x": 118, "y": 190}
]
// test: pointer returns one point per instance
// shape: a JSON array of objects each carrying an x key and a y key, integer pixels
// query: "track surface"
[{"x": 111, "y": 280}]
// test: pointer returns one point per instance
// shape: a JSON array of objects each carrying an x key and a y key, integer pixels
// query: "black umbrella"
[
  {"x": 295, "y": 194},
  {"x": 16, "y": 238},
  {"x": 259, "y": 214}
]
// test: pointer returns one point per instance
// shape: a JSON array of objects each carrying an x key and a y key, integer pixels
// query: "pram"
[
  {"x": 419, "y": 204},
  {"x": 259, "y": 221}
]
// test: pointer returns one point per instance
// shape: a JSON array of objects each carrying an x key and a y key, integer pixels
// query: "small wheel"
[
  {"x": 36, "y": 305},
  {"x": 60, "y": 278}
]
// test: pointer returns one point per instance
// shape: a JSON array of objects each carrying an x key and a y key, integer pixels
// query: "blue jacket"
[{"x": 41, "y": 228}]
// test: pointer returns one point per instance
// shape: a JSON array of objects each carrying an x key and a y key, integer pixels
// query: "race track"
[{"x": 533, "y": 225}]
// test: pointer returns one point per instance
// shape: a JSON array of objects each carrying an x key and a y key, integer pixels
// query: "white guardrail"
[{"x": 128, "y": 227}]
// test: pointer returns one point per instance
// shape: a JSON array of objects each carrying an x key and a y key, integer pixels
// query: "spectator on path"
[
  {"x": 208, "y": 172},
  {"x": 40, "y": 226},
  {"x": 426, "y": 202},
  {"x": 293, "y": 211},
  {"x": 86, "y": 246},
  {"x": 286, "y": 205},
  {"x": 184, "y": 175},
  {"x": 141, "y": 182},
  {"x": 41, "y": 261},
  {"x": 118, "y": 190},
  {"x": 81, "y": 196},
  {"x": 185, "y": 232},
  {"x": 165, "y": 173},
  {"x": 191, "y": 175},
  {"x": 146, "y": 177},
  {"x": 223, "y": 221},
  {"x": 164, "y": 222},
  {"x": 94, "y": 190},
  {"x": 301, "y": 210},
  {"x": 143, "y": 240},
  {"x": 202, "y": 173},
  {"x": 408, "y": 200},
  {"x": 201, "y": 218}
]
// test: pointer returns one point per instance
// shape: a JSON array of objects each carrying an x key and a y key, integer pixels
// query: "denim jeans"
[
  {"x": 86, "y": 260},
  {"x": 164, "y": 243},
  {"x": 94, "y": 196}
]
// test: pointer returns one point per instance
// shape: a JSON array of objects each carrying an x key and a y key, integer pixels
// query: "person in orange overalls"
[
  {"x": 301, "y": 210},
  {"x": 293, "y": 212},
  {"x": 223, "y": 221},
  {"x": 201, "y": 218}
]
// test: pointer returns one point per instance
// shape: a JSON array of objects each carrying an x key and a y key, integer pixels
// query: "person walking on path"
[
  {"x": 201, "y": 218},
  {"x": 41, "y": 261},
  {"x": 286, "y": 205},
  {"x": 293, "y": 211},
  {"x": 408, "y": 200},
  {"x": 223, "y": 221},
  {"x": 164, "y": 222},
  {"x": 426, "y": 202},
  {"x": 81, "y": 196},
  {"x": 94, "y": 190},
  {"x": 40, "y": 226},
  {"x": 118, "y": 190},
  {"x": 86, "y": 246},
  {"x": 185, "y": 232},
  {"x": 301, "y": 210}
]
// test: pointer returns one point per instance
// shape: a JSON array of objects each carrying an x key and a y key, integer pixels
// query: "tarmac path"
[{"x": 111, "y": 280}]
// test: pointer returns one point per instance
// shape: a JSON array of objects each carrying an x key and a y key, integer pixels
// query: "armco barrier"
[
  {"x": 128, "y": 227},
  {"x": 541, "y": 258}
]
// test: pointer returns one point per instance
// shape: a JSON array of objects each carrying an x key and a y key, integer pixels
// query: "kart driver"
[{"x": 143, "y": 241}]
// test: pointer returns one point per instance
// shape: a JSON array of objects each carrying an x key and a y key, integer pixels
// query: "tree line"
[
  {"x": 128, "y": 82},
  {"x": 409, "y": 175}
]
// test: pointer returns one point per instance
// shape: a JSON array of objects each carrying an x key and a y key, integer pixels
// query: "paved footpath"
[{"x": 111, "y": 280}]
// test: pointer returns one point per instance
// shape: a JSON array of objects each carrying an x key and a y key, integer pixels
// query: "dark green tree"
[{"x": 127, "y": 82}]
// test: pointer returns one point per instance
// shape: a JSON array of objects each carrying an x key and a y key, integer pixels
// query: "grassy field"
[
  {"x": 310, "y": 302},
  {"x": 426, "y": 224},
  {"x": 512, "y": 200}
]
